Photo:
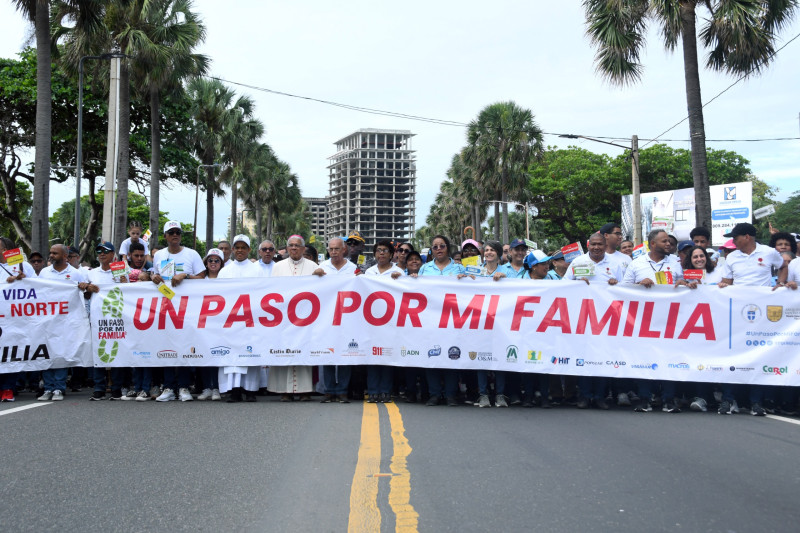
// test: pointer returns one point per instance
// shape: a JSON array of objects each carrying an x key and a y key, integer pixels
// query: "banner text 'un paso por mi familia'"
[{"x": 736, "y": 334}]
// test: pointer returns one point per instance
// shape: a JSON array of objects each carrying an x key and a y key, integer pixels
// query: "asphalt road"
[{"x": 123, "y": 466}]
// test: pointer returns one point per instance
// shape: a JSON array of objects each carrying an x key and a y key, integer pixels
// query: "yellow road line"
[
  {"x": 406, "y": 518},
  {"x": 364, "y": 513}
]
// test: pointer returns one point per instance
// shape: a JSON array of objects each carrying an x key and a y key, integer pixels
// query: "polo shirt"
[
  {"x": 643, "y": 267},
  {"x": 69, "y": 274},
  {"x": 754, "y": 269},
  {"x": 430, "y": 269},
  {"x": 509, "y": 271},
  {"x": 602, "y": 271},
  {"x": 348, "y": 268}
]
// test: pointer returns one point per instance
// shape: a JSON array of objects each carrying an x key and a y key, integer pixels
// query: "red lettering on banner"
[
  {"x": 647, "y": 316},
  {"x": 241, "y": 312},
  {"x": 291, "y": 312},
  {"x": 492, "y": 312},
  {"x": 701, "y": 312},
  {"x": 559, "y": 306},
  {"x": 520, "y": 312},
  {"x": 412, "y": 313},
  {"x": 611, "y": 317},
  {"x": 387, "y": 316},
  {"x": 630, "y": 319},
  {"x": 355, "y": 302},
  {"x": 138, "y": 323},
  {"x": 39, "y": 308},
  {"x": 276, "y": 317},
  {"x": 450, "y": 308},
  {"x": 168, "y": 309},
  {"x": 206, "y": 310},
  {"x": 672, "y": 320}
]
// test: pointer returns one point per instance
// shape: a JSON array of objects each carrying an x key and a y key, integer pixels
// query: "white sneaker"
[
  {"x": 46, "y": 397},
  {"x": 166, "y": 396},
  {"x": 205, "y": 395},
  {"x": 129, "y": 395},
  {"x": 500, "y": 401},
  {"x": 142, "y": 396},
  {"x": 623, "y": 399},
  {"x": 699, "y": 404},
  {"x": 734, "y": 407},
  {"x": 57, "y": 396},
  {"x": 184, "y": 395},
  {"x": 483, "y": 401},
  {"x": 215, "y": 395}
]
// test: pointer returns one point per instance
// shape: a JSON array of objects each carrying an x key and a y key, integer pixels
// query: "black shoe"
[
  {"x": 249, "y": 396},
  {"x": 372, "y": 398},
  {"x": 386, "y": 398},
  {"x": 235, "y": 396},
  {"x": 544, "y": 403},
  {"x": 671, "y": 407},
  {"x": 411, "y": 399},
  {"x": 527, "y": 402},
  {"x": 342, "y": 398},
  {"x": 433, "y": 400},
  {"x": 329, "y": 398},
  {"x": 724, "y": 408},
  {"x": 583, "y": 403},
  {"x": 601, "y": 404},
  {"x": 452, "y": 402},
  {"x": 116, "y": 395},
  {"x": 98, "y": 396}
]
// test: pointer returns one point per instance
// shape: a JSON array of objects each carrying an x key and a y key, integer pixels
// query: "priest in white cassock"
[
  {"x": 239, "y": 379},
  {"x": 290, "y": 380}
]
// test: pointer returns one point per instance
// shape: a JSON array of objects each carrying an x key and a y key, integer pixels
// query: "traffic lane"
[
  {"x": 201, "y": 466},
  {"x": 522, "y": 469}
]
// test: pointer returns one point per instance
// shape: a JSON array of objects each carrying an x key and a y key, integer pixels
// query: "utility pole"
[
  {"x": 112, "y": 151},
  {"x": 637, "y": 201}
]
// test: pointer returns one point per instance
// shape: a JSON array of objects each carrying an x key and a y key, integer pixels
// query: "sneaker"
[
  {"x": 527, "y": 401},
  {"x": 205, "y": 395},
  {"x": 342, "y": 398},
  {"x": 514, "y": 400},
  {"x": 601, "y": 404},
  {"x": 184, "y": 395},
  {"x": 500, "y": 401},
  {"x": 670, "y": 407},
  {"x": 329, "y": 398},
  {"x": 155, "y": 391},
  {"x": 452, "y": 401},
  {"x": 735, "y": 407},
  {"x": 130, "y": 395},
  {"x": 385, "y": 398},
  {"x": 724, "y": 408},
  {"x": 633, "y": 396},
  {"x": 166, "y": 396},
  {"x": 58, "y": 395},
  {"x": 97, "y": 396},
  {"x": 125, "y": 391},
  {"x": 483, "y": 401},
  {"x": 46, "y": 396},
  {"x": 433, "y": 400},
  {"x": 583, "y": 403},
  {"x": 699, "y": 404},
  {"x": 142, "y": 396},
  {"x": 643, "y": 407},
  {"x": 373, "y": 398},
  {"x": 215, "y": 395},
  {"x": 757, "y": 410},
  {"x": 7, "y": 395},
  {"x": 623, "y": 399},
  {"x": 116, "y": 395}
]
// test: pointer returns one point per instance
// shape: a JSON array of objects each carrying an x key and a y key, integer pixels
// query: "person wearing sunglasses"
[
  {"x": 266, "y": 258},
  {"x": 401, "y": 254},
  {"x": 37, "y": 262}
]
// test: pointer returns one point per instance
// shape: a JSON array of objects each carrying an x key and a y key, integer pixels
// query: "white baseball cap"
[
  {"x": 242, "y": 238},
  {"x": 172, "y": 224},
  {"x": 217, "y": 252}
]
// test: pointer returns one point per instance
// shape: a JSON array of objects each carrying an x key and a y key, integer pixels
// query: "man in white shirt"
[
  {"x": 336, "y": 378},
  {"x": 657, "y": 267},
  {"x": 55, "y": 379},
  {"x": 266, "y": 254},
  {"x": 225, "y": 246},
  {"x": 613, "y": 235},
  {"x": 176, "y": 263},
  {"x": 288, "y": 380},
  {"x": 749, "y": 264}
]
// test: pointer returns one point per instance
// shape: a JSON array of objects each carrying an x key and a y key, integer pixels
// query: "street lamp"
[
  {"x": 197, "y": 199},
  {"x": 79, "y": 155},
  {"x": 637, "y": 205}
]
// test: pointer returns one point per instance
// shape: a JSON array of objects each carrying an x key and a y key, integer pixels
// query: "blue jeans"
[
  {"x": 412, "y": 373},
  {"x": 645, "y": 388},
  {"x": 9, "y": 381},
  {"x": 379, "y": 379},
  {"x": 336, "y": 379},
  {"x": 499, "y": 382},
  {"x": 529, "y": 381},
  {"x": 55, "y": 379},
  {"x": 592, "y": 387},
  {"x": 142, "y": 378},
  {"x": 210, "y": 375},
  {"x": 177, "y": 377},
  {"x": 435, "y": 377},
  {"x": 100, "y": 379},
  {"x": 756, "y": 393}
]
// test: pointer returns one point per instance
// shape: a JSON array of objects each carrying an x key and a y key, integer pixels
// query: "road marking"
[
  {"x": 406, "y": 518},
  {"x": 784, "y": 419},
  {"x": 364, "y": 512},
  {"x": 23, "y": 407}
]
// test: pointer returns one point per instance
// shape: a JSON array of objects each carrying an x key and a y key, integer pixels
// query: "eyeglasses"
[
  {"x": 174, "y": 232},
  {"x": 267, "y": 249},
  {"x": 404, "y": 251},
  {"x": 214, "y": 260},
  {"x": 438, "y": 247},
  {"x": 100, "y": 251},
  {"x": 617, "y": 233},
  {"x": 37, "y": 260}
]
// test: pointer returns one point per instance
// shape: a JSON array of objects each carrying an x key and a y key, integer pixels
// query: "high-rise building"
[
  {"x": 372, "y": 186},
  {"x": 319, "y": 210}
]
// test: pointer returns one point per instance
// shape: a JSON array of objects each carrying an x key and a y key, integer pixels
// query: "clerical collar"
[{"x": 296, "y": 262}]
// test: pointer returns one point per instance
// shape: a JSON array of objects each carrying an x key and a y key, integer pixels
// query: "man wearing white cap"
[
  {"x": 176, "y": 263},
  {"x": 238, "y": 378}
]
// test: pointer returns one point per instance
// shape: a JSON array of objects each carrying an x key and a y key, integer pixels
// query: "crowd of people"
[{"x": 609, "y": 260}]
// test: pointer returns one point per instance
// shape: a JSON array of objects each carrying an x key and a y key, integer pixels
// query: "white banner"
[
  {"x": 736, "y": 334},
  {"x": 43, "y": 324}
]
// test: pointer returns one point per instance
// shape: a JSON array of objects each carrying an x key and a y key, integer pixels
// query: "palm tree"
[
  {"x": 502, "y": 143},
  {"x": 255, "y": 183},
  {"x": 740, "y": 37}
]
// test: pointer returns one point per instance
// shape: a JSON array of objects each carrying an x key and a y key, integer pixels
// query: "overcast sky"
[{"x": 450, "y": 59}]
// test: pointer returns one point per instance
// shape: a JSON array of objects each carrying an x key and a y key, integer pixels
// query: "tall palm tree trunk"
[
  {"x": 234, "y": 200},
  {"x": 155, "y": 159},
  {"x": 40, "y": 235},
  {"x": 497, "y": 221},
  {"x": 124, "y": 164},
  {"x": 269, "y": 224},
  {"x": 504, "y": 196},
  {"x": 209, "y": 208},
  {"x": 476, "y": 217},
  {"x": 259, "y": 233},
  {"x": 694, "y": 103}
]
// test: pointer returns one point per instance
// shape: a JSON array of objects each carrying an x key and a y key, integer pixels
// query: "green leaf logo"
[
  {"x": 112, "y": 303},
  {"x": 101, "y": 350}
]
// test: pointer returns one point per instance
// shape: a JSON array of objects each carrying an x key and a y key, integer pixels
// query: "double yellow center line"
[{"x": 364, "y": 512}]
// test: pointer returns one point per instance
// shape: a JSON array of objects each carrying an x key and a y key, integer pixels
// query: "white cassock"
[
  {"x": 291, "y": 379},
  {"x": 246, "y": 377}
]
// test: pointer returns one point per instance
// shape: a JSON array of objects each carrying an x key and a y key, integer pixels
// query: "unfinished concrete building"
[
  {"x": 319, "y": 212},
  {"x": 372, "y": 187}
]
